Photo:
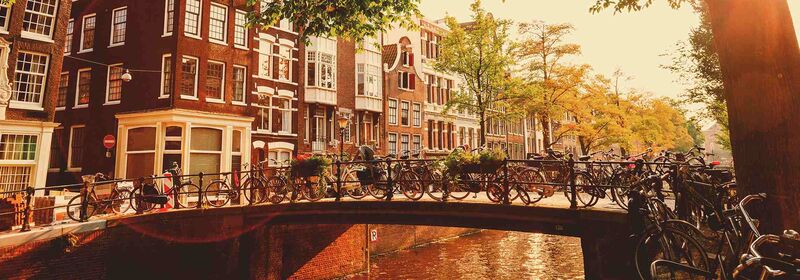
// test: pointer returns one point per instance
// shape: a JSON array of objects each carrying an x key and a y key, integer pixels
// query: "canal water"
[{"x": 485, "y": 255}]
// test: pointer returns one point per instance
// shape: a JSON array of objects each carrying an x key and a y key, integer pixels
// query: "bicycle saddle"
[{"x": 584, "y": 158}]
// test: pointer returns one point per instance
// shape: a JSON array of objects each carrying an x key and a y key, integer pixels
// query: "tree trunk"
[
  {"x": 545, "y": 119},
  {"x": 584, "y": 145},
  {"x": 760, "y": 63},
  {"x": 482, "y": 137}
]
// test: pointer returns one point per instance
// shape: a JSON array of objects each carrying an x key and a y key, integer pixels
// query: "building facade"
[
  {"x": 32, "y": 36},
  {"x": 404, "y": 97}
]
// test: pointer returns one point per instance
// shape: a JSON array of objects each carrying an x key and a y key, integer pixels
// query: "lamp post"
[{"x": 343, "y": 121}]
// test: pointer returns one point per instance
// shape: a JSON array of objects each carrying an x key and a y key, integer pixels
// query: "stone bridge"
[{"x": 242, "y": 241}]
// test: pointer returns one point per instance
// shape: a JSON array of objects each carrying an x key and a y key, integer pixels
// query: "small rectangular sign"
[{"x": 373, "y": 235}]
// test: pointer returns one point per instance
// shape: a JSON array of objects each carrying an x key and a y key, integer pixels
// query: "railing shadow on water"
[{"x": 528, "y": 180}]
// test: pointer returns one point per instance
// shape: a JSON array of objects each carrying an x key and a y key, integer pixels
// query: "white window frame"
[
  {"x": 196, "y": 75},
  {"x": 108, "y": 85},
  {"x": 389, "y": 143},
  {"x": 4, "y": 24},
  {"x": 390, "y": 120},
  {"x": 416, "y": 114},
  {"x": 53, "y": 24},
  {"x": 407, "y": 113},
  {"x": 265, "y": 52},
  {"x": 69, "y": 37},
  {"x": 281, "y": 57},
  {"x": 244, "y": 85},
  {"x": 318, "y": 67},
  {"x": 240, "y": 28},
  {"x": 114, "y": 23},
  {"x": 414, "y": 143},
  {"x": 72, "y": 128},
  {"x": 224, "y": 40},
  {"x": 26, "y": 105},
  {"x": 169, "y": 24},
  {"x": 221, "y": 98},
  {"x": 83, "y": 32},
  {"x": 199, "y": 26},
  {"x": 78, "y": 87},
  {"x": 58, "y": 91},
  {"x": 164, "y": 58}
]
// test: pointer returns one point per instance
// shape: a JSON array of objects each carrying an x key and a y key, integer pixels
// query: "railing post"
[
  {"x": 200, "y": 192},
  {"x": 26, "y": 225},
  {"x": 506, "y": 187},
  {"x": 573, "y": 201},
  {"x": 389, "y": 180},
  {"x": 680, "y": 207},
  {"x": 339, "y": 179},
  {"x": 137, "y": 185},
  {"x": 88, "y": 180}
]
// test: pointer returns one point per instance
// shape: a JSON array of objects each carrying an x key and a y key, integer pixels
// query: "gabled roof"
[{"x": 390, "y": 56}]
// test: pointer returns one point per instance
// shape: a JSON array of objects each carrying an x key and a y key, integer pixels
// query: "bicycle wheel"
[
  {"x": 377, "y": 190},
  {"x": 494, "y": 192},
  {"x": 532, "y": 184},
  {"x": 74, "y": 207},
  {"x": 410, "y": 185},
  {"x": 187, "y": 194},
  {"x": 433, "y": 185},
  {"x": 668, "y": 243},
  {"x": 120, "y": 201},
  {"x": 137, "y": 201},
  {"x": 351, "y": 186},
  {"x": 584, "y": 190},
  {"x": 313, "y": 189},
  {"x": 460, "y": 189},
  {"x": 277, "y": 189},
  {"x": 218, "y": 193},
  {"x": 255, "y": 191},
  {"x": 621, "y": 183}
]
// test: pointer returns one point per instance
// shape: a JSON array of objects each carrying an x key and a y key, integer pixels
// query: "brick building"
[
  {"x": 31, "y": 41},
  {"x": 404, "y": 96},
  {"x": 206, "y": 92}
]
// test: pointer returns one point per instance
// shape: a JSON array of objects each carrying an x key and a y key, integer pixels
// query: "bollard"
[
  {"x": 338, "y": 179},
  {"x": 26, "y": 224},
  {"x": 573, "y": 202},
  {"x": 200, "y": 192},
  {"x": 389, "y": 183},
  {"x": 88, "y": 180},
  {"x": 506, "y": 188}
]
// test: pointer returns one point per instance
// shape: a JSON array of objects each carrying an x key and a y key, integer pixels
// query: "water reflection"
[{"x": 485, "y": 255}]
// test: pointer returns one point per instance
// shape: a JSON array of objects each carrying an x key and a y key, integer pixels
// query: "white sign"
[{"x": 373, "y": 235}]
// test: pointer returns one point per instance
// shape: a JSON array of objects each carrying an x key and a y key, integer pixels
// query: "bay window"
[
  {"x": 321, "y": 69},
  {"x": 368, "y": 79},
  {"x": 17, "y": 161},
  {"x": 206, "y": 150},
  {"x": 140, "y": 152}
]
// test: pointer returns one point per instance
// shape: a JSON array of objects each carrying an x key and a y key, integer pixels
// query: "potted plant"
[
  {"x": 305, "y": 166},
  {"x": 486, "y": 161}
]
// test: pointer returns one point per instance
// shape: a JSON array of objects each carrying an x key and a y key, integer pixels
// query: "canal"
[{"x": 485, "y": 255}]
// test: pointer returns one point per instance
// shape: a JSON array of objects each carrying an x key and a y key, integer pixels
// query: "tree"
[
  {"x": 597, "y": 117},
  {"x": 697, "y": 64},
  {"x": 542, "y": 51},
  {"x": 349, "y": 19},
  {"x": 477, "y": 52},
  {"x": 760, "y": 63}
]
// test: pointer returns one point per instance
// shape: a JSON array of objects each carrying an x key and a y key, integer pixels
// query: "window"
[
  {"x": 236, "y": 150},
  {"x": 166, "y": 75},
  {"x": 416, "y": 141},
  {"x": 392, "y": 111},
  {"x": 169, "y": 17},
  {"x": 392, "y": 149},
  {"x": 29, "y": 78},
  {"x": 321, "y": 70},
  {"x": 191, "y": 26},
  {"x": 218, "y": 23},
  {"x": 284, "y": 63},
  {"x": 75, "y": 156},
  {"x": 404, "y": 115},
  {"x": 84, "y": 88},
  {"x": 18, "y": 147},
  {"x": 17, "y": 159},
  {"x": 206, "y": 150},
  {"x": 407, "y": 58},
  {"x": 403, "y": 142},
  {"x": 40, "y": 17},
  {"x": 140, "y": 152},
  {"x": 173, "y": 144},
  {"x": 239, "y": 74},
  {"x": 114, "y": 90},
  {"x": 119, "y": 21},
  {"x": 417, "y": 114},
  {"x": 279, "y": 157},
  {"x": 189, "y": 76},
  {"x": 405, "y": 80},
  {"x": 368, "y": 78},
  {"x": 68, "y": 37},
  {"x": 239, "y": 29},
  {"x": 265, "y": 59},
  {"x": 282, "y": 115},
  {"x": 215, "y": 74},
  {"x": 56, "y": 156},
  {"x": 63, "y": 87},
  {"x": 5, "y": 13},
  {"x": 87, "y": 33}
]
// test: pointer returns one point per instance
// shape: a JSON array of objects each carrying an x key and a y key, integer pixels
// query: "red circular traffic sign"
[{"x": 109, "y": 141}]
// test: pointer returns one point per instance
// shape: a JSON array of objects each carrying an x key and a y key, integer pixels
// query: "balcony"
[
  {"x": 318, "y": 146},
  {"x": 369, "y": 103},
  {"x": 320, "y": 96}
]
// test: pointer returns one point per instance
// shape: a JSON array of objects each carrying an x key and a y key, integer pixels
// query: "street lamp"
[{"x": 343, "y": 121}]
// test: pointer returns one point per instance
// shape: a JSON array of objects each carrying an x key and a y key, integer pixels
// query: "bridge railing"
[{"x": 527, "y": 180}]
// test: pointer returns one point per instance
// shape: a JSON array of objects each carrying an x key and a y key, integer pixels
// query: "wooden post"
[{"x": 760, "y": 63}]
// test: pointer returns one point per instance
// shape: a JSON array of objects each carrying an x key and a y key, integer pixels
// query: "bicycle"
[
  {"x": 218, "y": 192},
  {"x": 285, "y": 180},
  {"x": 111, "y": 196},
  {"x": 182, "y": 192}
]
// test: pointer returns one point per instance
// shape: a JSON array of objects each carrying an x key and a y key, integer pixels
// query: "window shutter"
[
  {"x": 400, "y": 79},
  {"x": 411, "y": 59},
  {"x": 412, "y": 81}
]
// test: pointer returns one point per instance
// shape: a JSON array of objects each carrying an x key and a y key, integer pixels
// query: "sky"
[{"x": 634, "y": 42}]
